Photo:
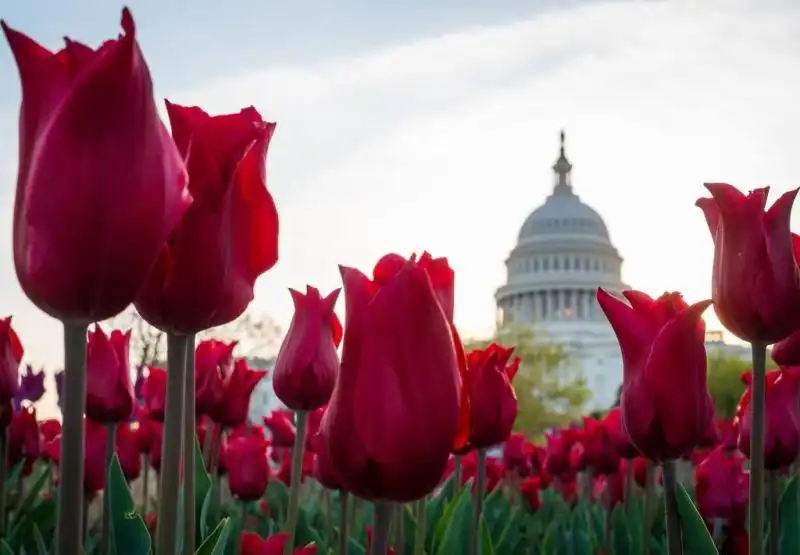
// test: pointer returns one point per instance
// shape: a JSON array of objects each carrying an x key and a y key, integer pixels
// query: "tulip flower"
[
  {"x": 388, "y": 437},
  {"x": 281, "y": 429},
  {"x": 127, "y": 448},
  {"x": 787, "y": 351},
  {"x": 253, "y": 544},
  {"x": 155, "y": 393},
  {"x": 721, "y": 486},
  {"x": 755, "y": 282},
  {"x": 11, "y": 352},
  {"x": 24, "y": 439},
  {"x": 666, "y": 407},
  {"x": 109, "y": 391},
  {"x": 619, "y": 438},
  {"x": 92, "y": 150},
  {"x": 518, "y": 455},
  {"x": 530, "y": 490},
  {"x": 493, "y": 402},
  {"x": 600, "y": 450},
  {"x": 557, "y": 459},
  {"x": 248, "y": 468},
  {"x": 228, "y": 237},
  {"x": 94, "y": 456},
  {"x": 782, "y": 430},
  {"x": 31, "y": 386},
  {"x": 307, "y": 364},
  {"x": 213, "y": 361},
  {"x": 231, "y": 411}
]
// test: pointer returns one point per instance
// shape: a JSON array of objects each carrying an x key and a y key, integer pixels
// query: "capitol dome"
[{"x": 563, "y": 254}]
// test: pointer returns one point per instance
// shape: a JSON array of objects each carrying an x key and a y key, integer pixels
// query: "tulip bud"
[{"x": 109, "y": 391}]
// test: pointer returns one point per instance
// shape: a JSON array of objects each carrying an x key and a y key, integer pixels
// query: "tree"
[
  {"x": 551, "y": 390},
  {"x": 725, "y": 382}
]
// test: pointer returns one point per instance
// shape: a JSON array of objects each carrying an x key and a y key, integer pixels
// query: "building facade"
[{"x": 563, "y": 254}]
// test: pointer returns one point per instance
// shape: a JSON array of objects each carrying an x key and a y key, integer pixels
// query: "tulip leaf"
[
  {"x": 204, "y": 513},
  {"x": 41, "y": 546},
  {"x": 14, "y": 476},
  {"x": 127, "y": 527},
  {"x": 216, "y": 541},
  {"x": 5, "y": 549},
  {"x": 485, "y": 546},
  {"x": 202, "y": 485},
  {"x": 620, "y": 534},
  {"x": 790, "y": 515},
  {"x": 277, "y": 497},
  {"x": 696, "y": 537},
  {"x": 456, "y": 524}
]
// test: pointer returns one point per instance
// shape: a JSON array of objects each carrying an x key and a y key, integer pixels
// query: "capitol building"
[{"x": 563, "y": 254}]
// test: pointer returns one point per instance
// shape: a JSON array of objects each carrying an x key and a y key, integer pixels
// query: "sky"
[{"x": 423, "y": 125}]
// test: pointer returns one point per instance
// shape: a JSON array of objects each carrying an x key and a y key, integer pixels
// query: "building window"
[
  {"x": 567, "y": 264},
  {"x": 586, "y": 264},
  {"x": 596, "y": 265},
  {"x": 555, "y": 263},
  {"x": 545, "y": 264},
  {"x": 527, "y": 265},
  {"x": 535, "y": 264}
]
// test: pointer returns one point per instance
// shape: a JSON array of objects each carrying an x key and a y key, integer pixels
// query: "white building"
[
  {"x": 263, "y": 400},
  {"x": 563, "y": 254}
]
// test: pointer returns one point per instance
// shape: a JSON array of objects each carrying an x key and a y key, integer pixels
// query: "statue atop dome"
[{"x": 562, "y": 168}]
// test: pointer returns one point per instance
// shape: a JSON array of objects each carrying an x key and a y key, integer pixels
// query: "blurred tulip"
[{"x": 109, "y": 391}]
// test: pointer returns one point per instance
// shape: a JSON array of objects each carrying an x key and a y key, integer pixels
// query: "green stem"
[
  {"x": 237, "y": 546},
  {"x": 343, "y": 517},
  {"x": 628, "y": 482},
  {"x": 400, "y": 529},
  {"x": 111, "y": 437},
  {"x": 477, "y": 498},
  {"x": 189, "y": 440},
  {"x": 297, "y": 472},
  {"x": 648, "y": 508},
  {"x": 69, "y": 539},
  {"x": 326, "y": 498},
  {"x": 419, "y": 532},
  {"x": 757, "y": 424},
  {"x": 216, "y": 479},
  {"x": 382, "y": 527},
  {"x": 774, "y": 512},
  {"x": 145, "y": 483},
  {"x": 673, "y": 522},
  {"x": 3, "y": 470},
  {"x": 169, "y": 478}
]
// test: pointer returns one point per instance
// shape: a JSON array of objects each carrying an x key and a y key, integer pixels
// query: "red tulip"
[
  {"x": 666, "y": 407},
  {"x": 782, "y": 420},
  {"x": 231, "y": 411},
  {"x": 156, "y": 430},
  {"x": 530, "y": 490},
  {"x": 11, "y": 352},
  {"x": 93, "y": 151},
  {"x": 755, "y": 283},
  {"x": 126, "y": 445},
  {"x": 307, "y": 364},
  {"x": 49, "y": 429},
  {"x": 155, "y": 393},
  {"x": 619, "y": 438},
  {"x": 312, "y": 426},
  {"x": 281, "y": 429},
  {"x": 228, "y": 237},
  {"x": 94, "y": 456},
  {"x": 640, "y": 467},
  {"x": 395, "y": 412},
  {"x": 787, "y": 352},
  {"x": 253, "y": 544},
  {"x": 493, "y": 402},
  {"x": 722, "y": 486},
  {"x": 248, "y": 468},
  {"x": 600, "y": 449},
  {"x": 109, "y": 391},
  {"x": 24, "y": 439},
  {"x": 558, "y": 453},
  {"x": 321, "y": 468},
  {"x": 213, "y": 361},
  {"x": 518, "y": 455}
]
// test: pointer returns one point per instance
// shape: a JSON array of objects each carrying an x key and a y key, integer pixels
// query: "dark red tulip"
[
  {"x": 145, "y": 433},
  {"x": 518, "y": 454},
  {"x": 531, "y": 491},
  {"x": 640, "y": 467},
  {"x": 213, "y": 361},
  {"x": 156, "y": 430},
  {"x": 782, "y": 420},
  {"x": 558, "y": 455},
  {"x": 248, "y": 468},
  {"x": 387, "y": 436},
  {"x": 49, "y": 429},
  {"x": 11, "y": 352},
  {"x": 281, "y": 429},
  {"x": 93, "y": 150},
  {"x": 24, "y": 439},
  {"x": 722, "y": 486},
  {"x": 94, "y": 456},
  {"x": 666, "y": 407},
  {"x": 253, "y": 544},
  {"x": 619, "y": 438},
  {"x": 127, "y": 448},
  {"x": 321, "y": 466},
  {"x": 155, "y": 393},
  {"x": 109, "y": 391},
  {"x": 231, "y": 411},
  {"x": 31, "y": 386},
  {"x": 755, "y": 284},
  {"x": 312, "y": 426},
  {"x": 307, "y": 364},
  {"x": 492, "y": 400},
  {"x": 600, "y": 450},
  {"x": 228, "y": 237},
  {"x": 787, "y": 351}
]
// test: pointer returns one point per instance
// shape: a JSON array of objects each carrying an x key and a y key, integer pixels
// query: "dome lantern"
[{"x": 563, "y": 168}]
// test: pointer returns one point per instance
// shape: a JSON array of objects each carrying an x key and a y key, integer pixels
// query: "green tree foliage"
[
  {"x": 725, "y": 383},
  {"x": 551, "y": 390}
]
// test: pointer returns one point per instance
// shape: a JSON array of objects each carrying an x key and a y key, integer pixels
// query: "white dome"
[{"x": 563, "y": 213}]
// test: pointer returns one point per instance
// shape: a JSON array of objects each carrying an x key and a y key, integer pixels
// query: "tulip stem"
[
  {"x": 326, "y": 498},
  {"x": 774, "y": 512},
  {"x": 756, "y": 528},
  {"x": 628, "y": 482},
  {"x": 169, "y": 478},
  {"x": 69, "y": 537},
  {"x": 382, "y": 527},
  {"x": 3, "y": 463},
  {"x": 189, "y": 440},
  {"x": 477, "y": 498},
  {"x": 457, "y": 471},
  {"x": 111, "y": 437},
  {"x": 145, "y": 482},
  {"x": 400, "y": 529},
  {"x": 419, "y": 532},
  {"x": 343, "y": 517},
  {"x": 648, "y": 507},
  {"x": 674, "y": 543},
  {"x": 297, "y": 472}
]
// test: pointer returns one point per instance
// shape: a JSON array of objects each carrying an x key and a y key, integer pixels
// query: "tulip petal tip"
[{"x": 127, "y": 21}]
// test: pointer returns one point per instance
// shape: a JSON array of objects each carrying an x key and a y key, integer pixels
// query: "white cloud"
[{"x": 445, "y": 144}]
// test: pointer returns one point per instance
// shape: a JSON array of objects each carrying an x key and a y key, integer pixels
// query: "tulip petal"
[
  {"x": 632, "y": 329},
  {"x": 711, "y": 213}
]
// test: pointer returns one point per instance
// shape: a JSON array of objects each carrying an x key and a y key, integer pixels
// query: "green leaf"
[
  {"x": 202, "y": 486},
  {"x": 696, "y": 537},
  {"x": 790, "y": 515},
  {"x": 5, "y": 549},
  {"x": 41, "y": 546},
  {"x": 128, "y": 530},
  {"x": 453, "y": 531},
  {"x": 202, "y": 523},
  {"x": 485, "y": 546},
  {"x": 277, "y": 497},
  {"x": 14, "y": 476},
  {"x": 216, "y": 541},
  {"x": 620, "y": 535},
  {"x": 32, "y": 495}
]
